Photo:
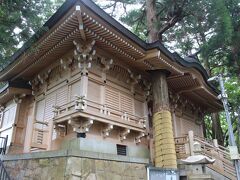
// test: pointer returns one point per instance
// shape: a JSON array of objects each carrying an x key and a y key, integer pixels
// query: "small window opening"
[
  {"x": 121, "y": 150},
  {"x": 81, "y": 135}
]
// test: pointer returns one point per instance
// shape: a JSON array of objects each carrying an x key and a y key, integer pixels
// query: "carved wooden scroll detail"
[{"x": 84, "y": 54}]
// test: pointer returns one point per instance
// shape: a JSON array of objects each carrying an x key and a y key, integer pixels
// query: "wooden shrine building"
[{"x": 86, "y": 83}]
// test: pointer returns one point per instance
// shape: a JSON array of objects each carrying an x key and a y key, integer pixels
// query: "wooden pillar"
[
  {"x": 30, "y": 127},
  {"x": 84, "y": 83},
  {"x": 191, "y": 142},
  {"x": 164, "y": 146}
]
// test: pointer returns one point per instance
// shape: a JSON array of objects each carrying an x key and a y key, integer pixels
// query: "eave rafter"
[
  {"x": 91, "y": 32},
  {"x": 103, "y": 34}
]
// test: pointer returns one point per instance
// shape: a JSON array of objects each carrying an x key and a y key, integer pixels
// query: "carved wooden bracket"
[
  {"x": 84, "y": 54},
  {"x": 60, "y": 129},
  {"x": 107, "y": 130},
  {"x": 138, "y": 138},
  {"x": 106, "y": 64},
  {"x": 40, "y": 79},
  {"x": 80, "y": 127},
  {"x": 134, "y": 79},
  {"x": 65, "y": 63},
  {"x": 86, "y": 126},
  {"x": 123, "y": 134},
  {"x": 147, "y": 89},
  {"x": 18, "y": 98}
]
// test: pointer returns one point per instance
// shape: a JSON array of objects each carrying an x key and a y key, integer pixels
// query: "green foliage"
[{"x": 19, "y": 20}]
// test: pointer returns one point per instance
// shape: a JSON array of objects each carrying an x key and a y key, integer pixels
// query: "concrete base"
[{"x": 106, "y": 147}]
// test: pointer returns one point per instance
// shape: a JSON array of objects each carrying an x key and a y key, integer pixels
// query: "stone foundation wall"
[{"x": 72, "y": 167}]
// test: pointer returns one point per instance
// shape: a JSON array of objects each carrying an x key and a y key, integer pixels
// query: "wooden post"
[
  {"x": 191, "y": 142},
  {"x": 164, "y": 146},
  {"x": 14, "y": 128},
  {"x": 50, "y": 132},
  {"x": 30, "y": 128},
  {"x": 84, "y": 83}
]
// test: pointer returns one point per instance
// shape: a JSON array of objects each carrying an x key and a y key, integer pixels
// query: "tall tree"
[
  {"x": 19, "y": 20},
  {"x": 204, "y": 28}
]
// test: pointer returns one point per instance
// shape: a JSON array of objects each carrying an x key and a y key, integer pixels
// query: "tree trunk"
[
  {"x": 160, "y": 89},
  {"x": 151, "y": 20},
  {"x": 217, "y": 132},
  {"x": 164, "y": 145}
]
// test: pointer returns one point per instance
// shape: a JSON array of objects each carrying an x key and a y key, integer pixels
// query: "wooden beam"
[
  {"x": 204, "y": 100},
  {"x": 177, "y": 76},
  {"x": 150, "y": 55},
  {"x": 189, "y": 89},
  {"x": 80, "y": 21}
]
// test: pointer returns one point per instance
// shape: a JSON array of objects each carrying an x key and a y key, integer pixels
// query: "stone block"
[
  {"x": 43, "y": 162},
  {"x": 99, "y": 164},
  {"x": 117, "y": 167},
  {"x": 87, "y": 166},
  {"x": 74, "y": 164},
  {"x": 100, "y": 175},
  {"x": 91, "y": 176},
  {"x": 111, "y": 176}
]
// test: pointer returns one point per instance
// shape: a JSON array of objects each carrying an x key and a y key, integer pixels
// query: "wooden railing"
[
  {"x": 222, "y": 165},
  {"x": 100, "y": 109},
  {"x": 182, "y": 147}
]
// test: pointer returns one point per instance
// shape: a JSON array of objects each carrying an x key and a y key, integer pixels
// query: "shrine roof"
[{"x": 57, "y": 34}]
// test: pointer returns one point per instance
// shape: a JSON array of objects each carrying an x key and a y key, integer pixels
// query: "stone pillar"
[{"x": 164, "y": 148}]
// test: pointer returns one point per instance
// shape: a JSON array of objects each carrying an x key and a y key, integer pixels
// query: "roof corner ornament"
[
  {"x": 84, "y": 54},
  {"x": 80, "y": 23}
]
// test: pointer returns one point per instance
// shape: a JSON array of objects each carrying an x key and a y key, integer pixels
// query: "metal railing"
[
  {"x": 3, "y": 147},
  {"x": 3, "y": 173},
  {"x": 3, "y": 144}
]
